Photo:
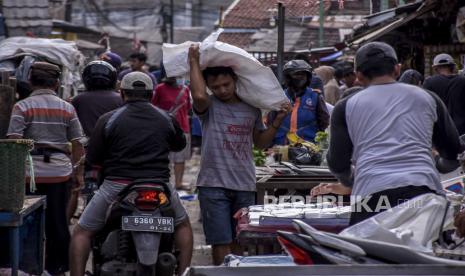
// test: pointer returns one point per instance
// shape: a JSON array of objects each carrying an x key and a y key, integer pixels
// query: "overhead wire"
[
  {"x": 205, "y": 13},
  {"x": 178, "y": 8}
]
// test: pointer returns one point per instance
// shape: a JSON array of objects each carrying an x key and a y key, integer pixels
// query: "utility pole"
[
  {"x": 171, "y": 21},
  {"x": 384, "y": 5},
  {"x": 68, "y": 11},
  {"x": 189, "y": 13},
  {"x": 322, "y": 20},
  {"x": 220, "y": 19},
  {"x": 280, "y": 53},
  {"x": 196, "y": 12}
]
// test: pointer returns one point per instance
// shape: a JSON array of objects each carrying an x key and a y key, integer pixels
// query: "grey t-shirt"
[
  {"x": 387, "y": 131},
  {"x": 227, "y": 140}
]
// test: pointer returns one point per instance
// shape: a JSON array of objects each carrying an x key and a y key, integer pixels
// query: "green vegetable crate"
[{"x": 13, "y": 155}]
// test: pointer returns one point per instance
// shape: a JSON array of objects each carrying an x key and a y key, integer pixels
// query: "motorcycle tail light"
[
  {"x": 299, "y": 255},
  {"x": 163, "y": 198},
  {"x": 149, "y": 200}
]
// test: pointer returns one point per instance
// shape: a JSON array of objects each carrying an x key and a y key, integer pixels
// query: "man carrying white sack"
[{"x": 230, "y": 127}]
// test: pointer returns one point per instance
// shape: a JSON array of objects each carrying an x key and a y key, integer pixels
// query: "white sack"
[
  {"x": 256, "y": 85},
  {"x": 415, "y": 223},
  {"x": 58, "y": 51}
]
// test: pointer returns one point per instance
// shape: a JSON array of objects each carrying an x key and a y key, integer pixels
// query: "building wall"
[{"x": 197, "y": 12}]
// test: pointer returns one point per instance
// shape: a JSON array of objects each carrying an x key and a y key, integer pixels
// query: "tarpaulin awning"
[
  {"x": 331, "y": 57},
  {"x": 375, "y": 33}
]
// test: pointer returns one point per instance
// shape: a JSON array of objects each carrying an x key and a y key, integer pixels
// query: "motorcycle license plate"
[{"x": 147, "y": 224}]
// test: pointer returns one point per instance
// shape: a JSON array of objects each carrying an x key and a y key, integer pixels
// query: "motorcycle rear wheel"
[{"x": 146, "y": 270}]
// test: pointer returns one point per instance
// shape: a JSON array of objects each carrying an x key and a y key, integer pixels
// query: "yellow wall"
[{"x": 58, "y": 33}]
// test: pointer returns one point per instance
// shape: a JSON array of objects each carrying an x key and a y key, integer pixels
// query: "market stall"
[{"x": 257, "y": 226}]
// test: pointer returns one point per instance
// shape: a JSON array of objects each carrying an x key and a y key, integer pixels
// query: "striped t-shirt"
[
  {"x": 227, "y": 141},
  {"x": 51, "y": 123}
]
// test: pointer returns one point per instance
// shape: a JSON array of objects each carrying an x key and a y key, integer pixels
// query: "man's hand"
[
  {"x": 460, "y": 224},
  {"x": 330, "y": 188},
  {"x": 78, "y": 181},
  {"x": 285, "y": 109},
  {"x": 194, "y": 54},
  {"x": 263, "y": 139},
  {"x": 198, "y": 86}
]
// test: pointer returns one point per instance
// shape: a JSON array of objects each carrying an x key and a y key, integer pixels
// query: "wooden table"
[
  {"x": 26, "y": 236},
  {"x": 277, "y": 177}
]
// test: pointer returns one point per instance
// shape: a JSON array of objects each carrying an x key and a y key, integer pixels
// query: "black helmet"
[
  {"x": 298, "y": 65},
  {"x": 99, "y": 75}
]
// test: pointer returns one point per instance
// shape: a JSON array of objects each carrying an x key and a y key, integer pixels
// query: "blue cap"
[{"x": 112, "y": 58}]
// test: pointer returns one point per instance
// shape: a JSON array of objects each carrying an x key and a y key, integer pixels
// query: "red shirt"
[{"x": 165, "y": 97}]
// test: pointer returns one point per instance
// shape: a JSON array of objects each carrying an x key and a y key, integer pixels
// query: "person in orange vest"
[{"x": 309, "y": 113}]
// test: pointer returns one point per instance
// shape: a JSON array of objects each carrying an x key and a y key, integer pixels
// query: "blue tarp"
[{"x": 331, "y": 57}]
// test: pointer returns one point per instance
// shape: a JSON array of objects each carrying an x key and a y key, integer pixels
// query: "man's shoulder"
[
  {"x": 311, "y": 92},
  {"x": 111, "y": 116},
  {"x": 107, "y": 115},
  {"x": 458, "y": 79},
  {"x": 161, "y": 87},
  {"x": 124, "y": 73},
  {"x": 316, "y": 79},
  {"x": 107, "y": 94},
  {"x": 54, "y": 102},
  {"x": 437, "y": 80}
]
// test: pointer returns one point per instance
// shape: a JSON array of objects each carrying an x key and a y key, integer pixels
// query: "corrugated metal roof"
[
  {"x": 22, "y": 16},
  {"x": 240, "y": 40},
  {"x": 182, "y": 34},
  {"x": 26, "y": 13},
  {"x": 25, "y": 3},
  {"x": 296, "y": 38}
]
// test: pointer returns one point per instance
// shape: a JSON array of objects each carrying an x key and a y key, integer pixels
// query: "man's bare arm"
[
  {"x": 183, "y": 238},
  {"x": 198, "y": 86},
  {"x": 263, "y": 139},
  {"x": 77, "y": 158}
]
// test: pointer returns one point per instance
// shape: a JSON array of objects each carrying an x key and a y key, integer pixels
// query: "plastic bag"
[
  {"x": 22, "y": 76},
  {"x": 256, "y": 85},
  {"x": 269, "y": 260},
  {"x": 415, "y": 223},
  {"x": 303, "y": 156}
]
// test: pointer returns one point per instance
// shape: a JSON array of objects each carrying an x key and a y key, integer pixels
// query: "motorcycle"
[
  {"x": 309, "y": 246},
  {"x": 138, "y": 235}
]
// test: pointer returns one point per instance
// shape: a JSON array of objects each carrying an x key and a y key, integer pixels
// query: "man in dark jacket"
[
  {"x": 450, "y": 88},
  {"x": 99, "y": 77},
  {"x": 130, "y": 143}
]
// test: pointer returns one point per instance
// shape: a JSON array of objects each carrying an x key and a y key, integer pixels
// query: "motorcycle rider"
[
  {"x": 100, "y": 97},
  {"x": 309, "y": 113},
  {"x": 129, "y": 143}
]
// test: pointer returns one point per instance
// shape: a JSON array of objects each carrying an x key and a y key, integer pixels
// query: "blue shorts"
[{"x": 218, "y": 205}]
